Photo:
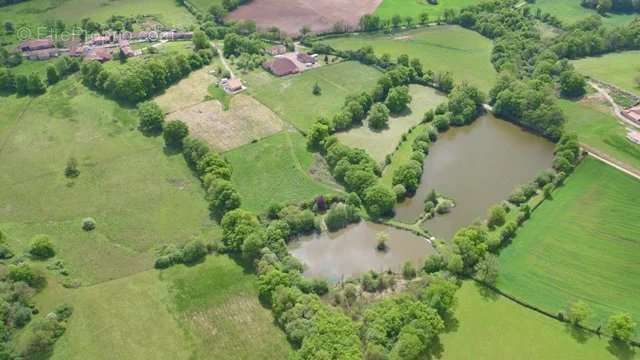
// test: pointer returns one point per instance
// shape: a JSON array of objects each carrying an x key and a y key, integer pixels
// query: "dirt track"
[{"x": 291, "y": 15}]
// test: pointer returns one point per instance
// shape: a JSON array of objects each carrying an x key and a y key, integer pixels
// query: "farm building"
[
  {"x": 632, "y": 114},
  {"x": 277, "y": 50},
  {"x": 100, "y": 40},
  {"x": 306, "y": 58},
  {"x": 44, "y": 54},
  {"x": 233, "y": 86},
  {"x": 38, "y": 44},
  {"x": 634, "y": 136},
  {"x": 126, "y": 49},
  {"x": 281, "y": 66},
  {"x": 100, "y": 54}
]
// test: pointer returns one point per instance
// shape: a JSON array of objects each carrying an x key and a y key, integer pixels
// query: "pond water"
[
  {"x": 352, "y": 251},
  {"x": 477, "y": 166}
]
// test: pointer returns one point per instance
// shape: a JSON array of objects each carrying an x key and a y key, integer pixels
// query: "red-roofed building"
[
  {"x": 306, "y": 58},
  {"x": 281, "y": 66},
  {"x": 277, "y": 50},
  {"x": 100, "y": 54},
  {"x": 632, "y": 114},
  {"x": 38, "y": 44},
  {"x": 100, "y": 40}
]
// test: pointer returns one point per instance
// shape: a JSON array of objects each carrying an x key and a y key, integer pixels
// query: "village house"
[
  {"x": 277, "y": 50},
  {"x": 173, "y": 35},
  {"x": 233, "y": 86},
  {"x": 99, "y": 40},
  {"x": 306, "y": 59},
  {"x": 33, "y": 45},
  {"x": 632, "y": 114},
  {"x": 281, "y": 66},
  {"x": 100, "y": 54},
  {"x": 44, "y": 54},
  {"x": 126, "y": 48}
]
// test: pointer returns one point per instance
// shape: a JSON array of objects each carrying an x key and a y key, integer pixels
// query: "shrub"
[
  {"x": 578, "y": 312},
  {"x": 400, "y": 192},
  {"x": 497, "y": 217},
  {"x": 88, "y": 224},
  {"x": 71, "y": 170},
  {"x": 151, "y": 117},
  {"x": 174, "y": 133},
  {"x": 193, "y": 251},
  {"x": 408, "y": 270},
  {"x": 41, "y": 247},
  {"x": 444, "y": 206}
]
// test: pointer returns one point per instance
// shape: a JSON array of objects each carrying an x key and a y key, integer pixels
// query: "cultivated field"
[
  {"x": 188, "y": 92},
  {"x": 72, "y": 11},
  {"x": 134, "y": 191},
  {"x": 319, "y": 15},
  {"x": 596, "y": 126},
  {"x": 245, "y": 121},
  {"x": 274, "y": 170},
  {"x": 462, "y": 52},
  {"x": 381, "y": 143},
  {"x": 413, "y": 8},
  {"x": 583, "y": 245},
  {"x": 291, "y": 97},
  {"x": 569, "y": 11},
  {"x": 618, "y": 69},
  {"x": 490, "y": 327}
]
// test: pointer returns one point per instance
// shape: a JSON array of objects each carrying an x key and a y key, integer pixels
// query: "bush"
[
  {"x": 41, "y": 247},
  {"x": 151, "y": 117},
  {"x": 444, "y": 206},
  {"x": 497, "y": 217},
  {"x": 71, "y": 170},
  {"x": 193, "y": 251},
  {"x": 88, "y": 224},
  {"x": 339, "y": 216},
  {"x": 408, "y": 270},
  {"x": 174, "y": 133},
  {"x": 400, "y": 192}
]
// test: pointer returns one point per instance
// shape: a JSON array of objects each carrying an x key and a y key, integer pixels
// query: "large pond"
[
  {"x": 477, "y": 166},
  {"x": 352, "y": 251}
]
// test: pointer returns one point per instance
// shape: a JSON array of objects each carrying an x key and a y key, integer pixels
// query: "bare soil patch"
[
  {"x": 245, "y": 121},
  {"x": 292, "y": 15}
]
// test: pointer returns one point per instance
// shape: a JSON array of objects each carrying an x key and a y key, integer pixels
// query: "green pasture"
[
  {"x": 277, "y": 169},
  {"x": 379, "y": 144},
  {"x": 464, "y": 53},
  {"x": 139, "y": 197},
  {"x": 619, "y": 69},
  {"x": 489, "y": 326},
  {"x": 597, "y": 127},
  {"x": 291, "y": 96},
  {"x": 570, "y": 11},
  {"x": 413, "y": 8},
  {"x": 581, "y": 245}
]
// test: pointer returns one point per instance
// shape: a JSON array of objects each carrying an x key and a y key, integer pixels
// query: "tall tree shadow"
[{"x": 620, "y": 350}]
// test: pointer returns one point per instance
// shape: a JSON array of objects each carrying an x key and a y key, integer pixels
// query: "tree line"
[{"x": 33, "y": 84}]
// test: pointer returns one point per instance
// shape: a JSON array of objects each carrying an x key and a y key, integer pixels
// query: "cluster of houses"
[
  {"x": 98, "y": 47},
  {"x": 287, "y": 63}
]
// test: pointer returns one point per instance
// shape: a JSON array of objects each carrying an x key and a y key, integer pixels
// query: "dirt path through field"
[{"x": 614, "y": 107}]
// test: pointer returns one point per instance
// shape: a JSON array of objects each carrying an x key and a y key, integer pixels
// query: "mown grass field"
[
  {"x": 464, "y": 53},
  {"x": 413, "y": 8},
  {"x": 490, "y": 327},
  {"x": 275, "y": 170},
  {"x": 596, "y": 126},
  {"x": 381, "y": 143},
  {"x": 569, "y": 11},
  {"x": 618, "y": 69},
  {"x": 72, "y": 11},
  {"x": 136, "y": 193},
  {"x": 291, "y": 97},
  {"x": 583, "y": 245}
]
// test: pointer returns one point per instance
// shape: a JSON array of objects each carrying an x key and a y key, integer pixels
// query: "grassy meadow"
[
  {"x": 570, "y": 11},
  {"x": 582, "y": 245},
  {"x": 276, "y": 169},
  {"x": 596, "y": 126},
  {"x": 290, "y": 97},
  {"x": 464, "y": 53},
  {"x": 381, "y": 143},
  {"x": 490, "y": 326},
  {"x": 413, "y": 8},
  {"x": 618, "y": 69}
]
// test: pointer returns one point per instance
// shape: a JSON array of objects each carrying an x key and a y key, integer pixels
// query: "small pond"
[
  {"x": 477, "y": 166},
  {"x": 352, "y": 251}
]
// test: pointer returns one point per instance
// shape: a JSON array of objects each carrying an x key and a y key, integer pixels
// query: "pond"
[
  {"x": 352, "y": 251},
  {"x": 477, "y": 166}
]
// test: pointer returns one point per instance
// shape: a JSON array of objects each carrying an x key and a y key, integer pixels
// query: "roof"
[
  {"x": 37, "y": 44},
  {"x": 100, "y": 54},
  {"x": 277, "y": 50},
  {"x": 634, "y": 136},
  {"x": 281, "y": 66},
  {"x": 632, "y": 113},
  {"x": 306, "y": 58},
  {"x": 234, "y": 84}
]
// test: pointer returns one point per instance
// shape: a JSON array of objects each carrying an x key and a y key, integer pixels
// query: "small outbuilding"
[
  {"x": 306, "y": 58},
  {"x": 633, "y": 114},
  {"x": 100, "y": 54},
  {"x": 277, "y": 50},
  {"x": 233, "y": 86}
]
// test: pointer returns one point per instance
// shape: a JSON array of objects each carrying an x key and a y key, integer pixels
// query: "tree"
[
  {"x": 497, "y": 217},
  {"x": 379, "y": 201},
  {"x": 381, "y": 241},
  {"x": 572, "y": 84},
  {"x": 440, "y": 294},
  {"x": 35, "y": 85},
  {"x": 423, "y": 18},
  {"x": 316, "y": 89},
  {"x": 319, "y": 132},
  {"x": 174, "y": 133},
  {"x": 408, "y": 270},
  {"x": 398, "y": 99},
  {"x": 71, "y": 170},
  {"x": 396, "y": 20},
  {"x": 621, "y": 326},
  {"x": 471, "y": 244},
  {"x": 151, "y": 117},
  {"x": 604, "y": 6},
  {"x": 378, "y": 116},
  {"x": 408, "y": 175},
  {"x": 193, "y": 251},
  {"x": 578, "y": 312},
  {"x": 52, "y": 75},
  {"x": 236, "y": 227},
  {"x": 222, "y": 197},
  {"x": 41, "y": 247},
  {"x": 487, "y": 269},
  {"x": 22, "y": 84},
  {"x": 200, "y": 40}
]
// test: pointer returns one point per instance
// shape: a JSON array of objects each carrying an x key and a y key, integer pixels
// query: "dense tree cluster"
[
  {"x": 604, "y": 6},
  {"x": 137, "y": 81},
  {"x": 340, "y": 215},
  {"x": 10, "y": 2},
  {"x": 236, "y": 45}
]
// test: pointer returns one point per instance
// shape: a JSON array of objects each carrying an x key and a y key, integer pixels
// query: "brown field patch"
[
  {"x": 291, "y": 16},
  {"x": 245, "y": 121},
  {"x": 187, "y": 92}
]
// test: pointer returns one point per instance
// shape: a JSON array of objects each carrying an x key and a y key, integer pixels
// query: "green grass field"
[
  {"x": 596, "y": 126},
  {"x": 570, "y": 11},
  {"x": 290, "y": 97},
  {"x": 583, "y": 244},
  {"x": 72, "y": 11},
  {"x": 381, "y": 143},
  {"x": 490, "y": 327},
  {"x": 205, "y": 5},
  {"x": 462, "y": 52},
  {"x": 135, "y": 192},
  {"x": 413, "y": 8},
  {"x": 274, "y": 170},
  {"x": 618, "y": 69}
]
